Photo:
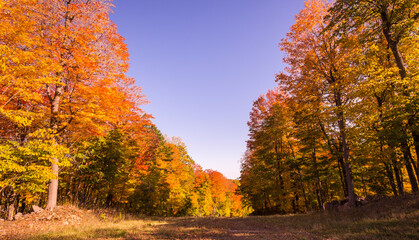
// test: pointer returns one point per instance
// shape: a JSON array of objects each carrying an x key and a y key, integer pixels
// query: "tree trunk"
[
  {"x": 53, "y": 189},
  {"x": 341, "y": 167},
  {"x": 281, "y": 185},
  {"x": 415, "y": 135},
  {"x": 10, "y": 211},
  {"x": 319, "y": 183},
  {"x": 10, "y": 203},
  {"x": 304, "y": 191},
  {"x": 415, "y": 167},
  {"x": 407, "y": 154},
  {"x": 348, "y": 168},
  {"x": 341, "y": 125},
  {"x": 398, "y": 175},
  {"x": 301, "y": 177},
  {"x": 23, "y": 207},
  {"x": 408, "y": 163},
  {"x": 327, "y": 193},
  {"x": 388, "y": 168},
  {"x": 278, "y": 154},
  {"x": 392, "y": 44},
  {"x": 70, "y": 195},
  {"x": 342, "y": 175},
  {"x": 390, "y": 177},
  {"x": 109, "y": 200},
  {"x": 297, "y": 199},
  {"x": 53, "y": 184}
]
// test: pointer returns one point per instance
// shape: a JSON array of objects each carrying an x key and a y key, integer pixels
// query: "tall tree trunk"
[
  {"x": 393, "y": 45},
  {"x": 415, "y": 135},
  {"x": 296, "y": 200},
  {"x": 303, "y": 190},
  {"x": 319, "y": 183},
  {"x": 55, "y": 100},
  {"x": 319, "y": 201},
  {"x": 341, "y": 166},
  {"x": 342, "y": 175},
  {"x": 282, "y": 185},
  {"x": 278, "y": 154},
  {"x": 390, "y": 177},
  {"x": 326, "y": 191},
  {"x": 388, "y": 168},
  {"x": 341, "y": 125},
  {"x": 300, "y": 177},
  {"x": 398, "y": 175},
  {"x": 53, "y": 189},
  {"x": 53, "y": 184},
  {"x": 408, "y": 163},
  {"x": 415, "y": 167}
]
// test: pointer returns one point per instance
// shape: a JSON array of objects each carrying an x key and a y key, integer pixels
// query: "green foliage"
[
  {"x": 152, "y": 175},
  {"x": 26, "y": 167}
]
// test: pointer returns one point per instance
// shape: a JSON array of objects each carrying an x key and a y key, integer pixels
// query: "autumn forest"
[{"x": 340, "y": 122}]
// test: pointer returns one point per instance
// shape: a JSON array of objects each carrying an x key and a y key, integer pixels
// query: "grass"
[
  {"x": 99, "y": 229},
  {"x": 396, "y": 218}
]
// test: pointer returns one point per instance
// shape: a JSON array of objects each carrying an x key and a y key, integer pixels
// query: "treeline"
[
  {"x": 150, "y": 175},
  {"x": 71, "y": 126},
  {"x": 343, "y": 121}
]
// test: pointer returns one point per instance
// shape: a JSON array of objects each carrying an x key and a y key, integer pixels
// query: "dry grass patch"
[{"x": 395, "y": 218}]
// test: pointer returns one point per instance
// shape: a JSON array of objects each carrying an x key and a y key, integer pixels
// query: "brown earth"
[{"x": 43, "y": 221}]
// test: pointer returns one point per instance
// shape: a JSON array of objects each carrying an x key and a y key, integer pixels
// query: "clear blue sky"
[{"x": 201, "y": 64}]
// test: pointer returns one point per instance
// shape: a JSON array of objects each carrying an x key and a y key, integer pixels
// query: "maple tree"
[
  {"x": 89, "y": 81},
  {"x": 318, "y": 59},
  {"x": 68, "y": 111},
  {"x": 345, "y": 109},
  {"x": 395, "y": 24},
  {"x": 63, "y": 80},
  {"x": 201, "y": 198},
  {"x": 25, "y": 146},
  {"x": 341, "y": 123}
]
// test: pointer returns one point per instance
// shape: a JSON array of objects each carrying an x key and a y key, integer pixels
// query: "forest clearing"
[
  {"x": 390, "y": 218},
  {"x": 82, "y": 157}
]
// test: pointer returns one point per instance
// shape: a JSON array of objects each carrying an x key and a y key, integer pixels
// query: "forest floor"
[{"x": 391, "y": 218}]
